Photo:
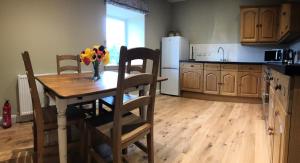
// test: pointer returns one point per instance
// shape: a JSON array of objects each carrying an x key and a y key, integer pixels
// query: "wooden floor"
[{"x": 187, "y": 131}]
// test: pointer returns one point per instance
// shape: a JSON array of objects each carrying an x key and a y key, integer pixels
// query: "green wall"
[
  {"x": 213, "y": 21},
  {"x": 46, "y": 28}
]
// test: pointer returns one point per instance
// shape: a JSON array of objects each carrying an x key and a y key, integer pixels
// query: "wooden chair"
[
  {"x": 121, "y": 128},
  {"x": 61, "y": 69},
  {"x": 110, "y": 100},
  {"x": 45, "y": 121},
  {"x": 88, "y": 107}
]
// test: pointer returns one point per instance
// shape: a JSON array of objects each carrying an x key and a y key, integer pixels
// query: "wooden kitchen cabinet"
[
  {"x": 258, "y": 24},
  {"x": 221, "y": 79},
  {"x": 268, "y": 24},
  {"x": 289, "y": 25},
  {"x": 249, "y": 22},
  {"x": 270, "y": 123},
  {"x": 192, "y": 80},
  {"x": 280, "y": 134},
  {"x": 285, "y": 19},
  {"x": 228, "y": 83},
  {"x": 249, "y": 84},
  {"x": 212, "y": 81},
  {"x": 191, "y": 77}
]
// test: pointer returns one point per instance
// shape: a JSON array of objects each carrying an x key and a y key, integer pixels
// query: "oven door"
[
  {"x": 265, "y": 105},
  {"x": 265, "y": 99}
]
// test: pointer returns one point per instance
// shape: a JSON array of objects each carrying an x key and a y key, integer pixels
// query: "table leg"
[
  {"x": 62, "y": 132},
  {"x": 46, "y": 100}
]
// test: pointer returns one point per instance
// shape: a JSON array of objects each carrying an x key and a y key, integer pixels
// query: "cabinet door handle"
[
  {"x": 276, "y": 113},
  {"x": 284, "y": 13},
  {"x": 270, "y": 131},
  {"x": 257, "y": 25},
  {"x": 278, "y": 87}
]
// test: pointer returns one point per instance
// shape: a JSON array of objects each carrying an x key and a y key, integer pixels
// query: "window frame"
[{"x": 115, "y": 66}]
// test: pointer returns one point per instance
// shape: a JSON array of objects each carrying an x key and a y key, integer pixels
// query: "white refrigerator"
[{"x": 173, "y": 50}]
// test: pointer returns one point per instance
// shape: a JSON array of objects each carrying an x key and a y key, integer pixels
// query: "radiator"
[{"x": 25, "y": 104}]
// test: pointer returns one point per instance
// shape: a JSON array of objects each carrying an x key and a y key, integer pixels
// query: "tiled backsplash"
[{"x": 232, "y": 52}]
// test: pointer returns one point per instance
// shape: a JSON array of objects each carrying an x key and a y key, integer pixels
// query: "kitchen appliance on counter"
[
  {"x": 288, "y": 56},
  {"x": 274, "y": 55},
  {"x": 174, "y": 49}
]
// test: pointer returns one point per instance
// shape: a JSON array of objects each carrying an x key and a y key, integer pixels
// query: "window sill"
[{"x": 115, "y": 67}]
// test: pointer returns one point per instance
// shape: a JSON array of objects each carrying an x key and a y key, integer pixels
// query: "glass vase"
[{"x": 96, "y": 75}]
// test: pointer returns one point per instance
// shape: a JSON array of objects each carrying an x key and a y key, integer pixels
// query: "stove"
[{"x": 267, "y": 77}]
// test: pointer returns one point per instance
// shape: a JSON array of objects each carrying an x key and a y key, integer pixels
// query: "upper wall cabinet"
[
  {"x": 249, "y": 24},
  {"x": 289, "y": 24},
  {"x": 259, "y": 24},
  {"x": 268, "y": 23}
]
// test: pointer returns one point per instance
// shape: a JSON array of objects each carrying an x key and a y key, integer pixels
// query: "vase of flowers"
[{"x": 95, "y": 55}]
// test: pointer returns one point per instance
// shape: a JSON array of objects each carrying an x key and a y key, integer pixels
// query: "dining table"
[{"x": 68, "y": 89}]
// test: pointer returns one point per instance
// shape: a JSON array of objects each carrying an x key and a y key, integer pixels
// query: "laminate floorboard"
[{"x": 185, "y": 131}]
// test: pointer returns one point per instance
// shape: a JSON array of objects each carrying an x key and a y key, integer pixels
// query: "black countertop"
[
  {"x": 221, "y": 62},
  {"x": 287, "y": 69}
]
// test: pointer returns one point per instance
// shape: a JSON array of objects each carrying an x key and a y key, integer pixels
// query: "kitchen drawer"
[
  {"x": 230, "y": 67},
  {"x": 252, "y": 68},
  {"x": 210, "y": 66},
  {"x": 192, "y": 65}
]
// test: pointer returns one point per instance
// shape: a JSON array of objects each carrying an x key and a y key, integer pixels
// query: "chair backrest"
[
  {"x": 38, "y": 119},
  {"x": 135, "y": 81},
  {"x": 61, "y": 69},
  {"x": 36, "y": 104},
  {"x": 135, "y": 68}
]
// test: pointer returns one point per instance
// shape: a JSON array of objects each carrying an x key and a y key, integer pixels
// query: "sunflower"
[
  {"x": 97, "y": 53},
  {"x": 106, "y": 57}
]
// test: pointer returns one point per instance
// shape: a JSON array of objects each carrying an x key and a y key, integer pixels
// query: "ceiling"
[{"x": 173, "y": 1}]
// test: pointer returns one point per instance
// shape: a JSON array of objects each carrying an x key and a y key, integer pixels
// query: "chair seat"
[
  {"x": 110, "y": 100},
  {"x": 73, "y": 115},
  {"x": 133, "y": 126}
]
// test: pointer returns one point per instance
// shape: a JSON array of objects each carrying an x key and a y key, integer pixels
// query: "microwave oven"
[{"x": 273, "y": 55}]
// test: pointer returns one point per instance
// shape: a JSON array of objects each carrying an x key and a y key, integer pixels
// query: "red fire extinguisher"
[{"x": 6, "y": 116}]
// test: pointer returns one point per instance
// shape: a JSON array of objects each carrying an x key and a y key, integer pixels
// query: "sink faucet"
[{"x": 221, "y": 48}]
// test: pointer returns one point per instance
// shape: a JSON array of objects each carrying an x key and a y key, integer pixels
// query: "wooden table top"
[{"x": 78, "y": 85}]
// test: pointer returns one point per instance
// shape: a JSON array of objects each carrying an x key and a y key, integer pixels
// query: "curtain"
[{"x": 138, "y": 5}]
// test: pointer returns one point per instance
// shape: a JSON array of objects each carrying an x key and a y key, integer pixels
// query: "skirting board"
[{"x": 221, "y": 98}]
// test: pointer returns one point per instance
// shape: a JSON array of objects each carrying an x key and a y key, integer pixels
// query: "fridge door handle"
[{"x": 172, "y": 68}]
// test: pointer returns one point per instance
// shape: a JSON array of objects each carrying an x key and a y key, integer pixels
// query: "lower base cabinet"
[
  {"x": 191, "y": 80},
  {"x": 249, "y": 84},
  {"x": 228, "y": 85},
  {"x": 221, "y": 79},
  {"x": 212, "y": 81}
]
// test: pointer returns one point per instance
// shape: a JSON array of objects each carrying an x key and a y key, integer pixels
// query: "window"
[
  {"x": 115, "y": 37},
  {"x": 124, "y": 27}
]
